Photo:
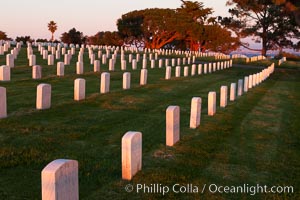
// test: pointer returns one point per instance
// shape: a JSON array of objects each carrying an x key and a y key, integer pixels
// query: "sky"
[{"x": 30, "y": 17}]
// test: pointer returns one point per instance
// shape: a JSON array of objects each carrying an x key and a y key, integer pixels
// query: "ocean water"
[{"x": 270, "y": 54}]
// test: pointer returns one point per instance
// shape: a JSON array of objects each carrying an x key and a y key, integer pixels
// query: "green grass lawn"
[
  {"x": 290, "y": 65},
  {"x": 254, "y": 140}
]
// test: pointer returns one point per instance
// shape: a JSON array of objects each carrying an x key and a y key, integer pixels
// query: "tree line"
[{"x": 273, "y": 23}]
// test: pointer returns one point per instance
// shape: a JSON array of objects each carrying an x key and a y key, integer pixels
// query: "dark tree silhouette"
[
  {"x": 73, "y": 36},
  {"x": 3, "y": 35},
  {"x": 52, "y": 27},
  {"x": 272, "y": 25},
  {"x": 189, "y": 26}
]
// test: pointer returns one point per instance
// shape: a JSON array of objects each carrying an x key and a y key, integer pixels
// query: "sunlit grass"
[{"x": 253, "y": 140}]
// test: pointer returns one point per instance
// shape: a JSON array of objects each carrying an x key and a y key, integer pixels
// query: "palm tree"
[{"x": 52, "y": 27}]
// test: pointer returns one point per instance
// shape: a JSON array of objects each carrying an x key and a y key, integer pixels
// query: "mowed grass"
[{"x": 254, "y": 140}]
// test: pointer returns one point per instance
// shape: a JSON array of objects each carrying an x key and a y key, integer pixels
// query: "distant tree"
[
  {"x": 106, "y": 38},
  {"x": 24, "y": 39},
  {"x": 189, "y": 26},
  {"x": 3, "y": 35},
  {"x": 218, "y": 39},
  {"x": 203, "y": 32},
  {"x": 52, "y": 27},
  {"x": 41, "y": 40},
  {"x": 153, "y": 28},
  {"x": 198, "y": 16},
  {"x": 130, "y": 28},
  {"x": 56, "y": 41},
  {"x": 268, "y": 23},
  {"x": 74, "y": 37}
]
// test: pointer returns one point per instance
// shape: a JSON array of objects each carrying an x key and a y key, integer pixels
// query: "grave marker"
[
  {"x": 105, "y": 83},
  {"x": 223, "y": 96},
  {"x": 79, "y": 89},
  {"x": 60, "y": 69},
  {"x": 152, "y": 64},
  {"x": 205, "y": 68},
  {"x": 168, "y": 73},
  {"x": 60, "y": 180},
  {"x": 4, "y": 73},
  {"x": 36, "y": 72},
  {"x": 195, "y": 116},
  {"x": 111, "y": 65},
  {"x": 199, "y": 69},
  {"x": 212, "y": 103},
  {"x": 144, "y": 64},
  {"x": 186, "y": 71},
  {"x": 131, "y": 154},
  {"x": 3, "y": 103},
  {"x": 126, "y": 80},
  {"x": 50, "y": 59},
  {"x": 43, "y": 96},
  {"x": 246, "y": 82},
  {"x": 193, "y": 70},
  {"x": 10, "y": 60},
  {"x": 232, "y": 91},
  {"x": 32, "y": 60},
  {"x": 97, "y": 66},
  {"x": 240, "y": 87},
  {"x": 143, "y": 77},
  {"x": 172, "y": 125},
  {"x": 177, "y": 71},
  {"x": 134, "y": 64}
]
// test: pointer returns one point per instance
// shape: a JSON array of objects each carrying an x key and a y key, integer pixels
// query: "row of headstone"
[
  {"x": 62, "y": 48},
  {"x": 50, "y": 58},
  {"x": 43, "y": 94},
  {"x": 10, "y": 57},
  {"x": 235, "y": 56},
  {"x": 5, "y": 46},
  {"x": 202, "y": 69},
  {"x": 36, "y": 74},
  {"x": 222, "y": 57},
  {"x": 43, "y": 100},
  {"x": 257, "y": 78},
  {"x": 68, "y": 56},
  {"x": 255, "y": 58},
  {"x": 60, "y": 177},
  {"x": 60, "y": 69},
  {"x": 238, "y": 89},
  {"x": 160, "y": 52},
  {"x": 173, "y": 112}
]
